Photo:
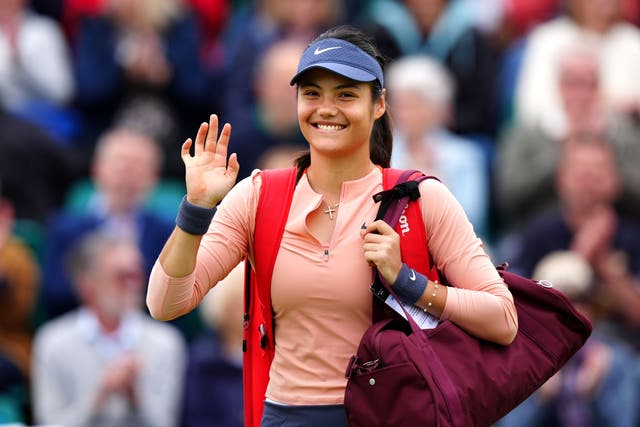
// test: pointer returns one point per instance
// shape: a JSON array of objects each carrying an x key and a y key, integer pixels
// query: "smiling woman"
[
  {"x": 319, "y": 290},
  {"x": 336, "y": 117},
  {"x": 351, "y": 66}
]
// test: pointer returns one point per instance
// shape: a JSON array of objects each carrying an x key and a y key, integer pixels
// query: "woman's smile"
[{"x": 329, "y": 127}]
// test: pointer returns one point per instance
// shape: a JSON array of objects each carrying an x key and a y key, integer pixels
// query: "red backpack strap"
[
  {"x": 276, "y": 194},
  {"x": 410, "y": 225}
]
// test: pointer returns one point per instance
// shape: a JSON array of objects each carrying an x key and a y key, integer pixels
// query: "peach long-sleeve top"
[{"x": 320, "y": 289}]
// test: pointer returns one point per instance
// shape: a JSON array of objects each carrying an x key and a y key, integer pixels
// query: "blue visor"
[{"x": 342, "y": 58}]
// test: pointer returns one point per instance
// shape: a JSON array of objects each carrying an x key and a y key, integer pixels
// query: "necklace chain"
[{"x": 331, "y": 210}]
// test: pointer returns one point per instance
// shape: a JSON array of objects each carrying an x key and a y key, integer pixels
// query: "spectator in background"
[
  {"x": 36, "y": 77},
  {"x": 600, "y": 385},
  {"x": 19, "y": 283},
  {"x": 211, "y": 14},
  {"x": 518, "y": 19},
  {"x": 213, "y": 382},
  {"x": 13, "y": 393},
  {"x": 107, "y": 363},
  {"x": 264, "y": 23},
  {"x": 534, "y": 147},
  {"x": 280, "y": 156},
  {"x": 125, "y": 169},
  {"x": 138, "y": 64},
  {"x": 585, "y": 221},
  {"x": 35, "y": 171},
  {"x": 599, "y": 23},
  {"x": 520, "y": 16},
  {"x": 421, "y": 94},
  {"x": 213, "y": 17},
  {"x": 447, "y": 31},
  {"x": 274, "y": 119}
]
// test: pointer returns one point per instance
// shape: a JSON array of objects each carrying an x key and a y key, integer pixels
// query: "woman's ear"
[{"x": 380, "y": 105}]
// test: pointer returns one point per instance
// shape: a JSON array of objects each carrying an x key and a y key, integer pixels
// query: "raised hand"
[{"x": 208, "y": 175}]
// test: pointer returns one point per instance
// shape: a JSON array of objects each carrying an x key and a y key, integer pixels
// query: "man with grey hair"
[
  {"x": 421, "y": 93},
  {"x": 107, "y": 363}
]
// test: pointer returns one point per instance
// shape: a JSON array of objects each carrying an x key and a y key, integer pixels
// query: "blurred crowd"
[{"x": 528, "y": 110}]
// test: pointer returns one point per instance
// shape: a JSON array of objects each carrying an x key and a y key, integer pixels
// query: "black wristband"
[
  {"x": 410, "y": 285},
  {"x": 194, "y": 219}
]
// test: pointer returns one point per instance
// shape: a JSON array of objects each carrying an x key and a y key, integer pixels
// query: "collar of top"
[{"x": 340, "y": 57}]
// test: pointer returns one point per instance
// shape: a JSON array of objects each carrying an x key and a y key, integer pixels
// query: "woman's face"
[{"x": 336, "y": 114}]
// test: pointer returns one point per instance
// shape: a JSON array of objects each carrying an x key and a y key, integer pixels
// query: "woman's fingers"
[
  {"x": 381, "y": 243},
  {"x": 223, "y": 141},
  {"x": 200, "y": 138},
  {"x": 186, "y": 146},
  {"x": 234, "y": 166},
  {"x": 378, "y": 250},
  {"x": 206, "y": 143},
  {"x": 210, "y": 144},
  {"x": 376, "y": 231}
]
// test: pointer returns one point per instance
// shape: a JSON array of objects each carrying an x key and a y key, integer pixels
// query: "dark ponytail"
[{"x": 382, "y": 132}]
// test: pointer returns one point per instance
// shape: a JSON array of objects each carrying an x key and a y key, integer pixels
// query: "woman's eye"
[
  {"x": 347, "y": 95},
  {"x": 310, "y": 93}
]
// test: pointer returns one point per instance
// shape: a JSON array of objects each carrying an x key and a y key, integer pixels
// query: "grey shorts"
[{"x": 276, "y": 415}]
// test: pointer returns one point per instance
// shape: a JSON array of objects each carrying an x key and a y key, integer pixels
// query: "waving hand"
[{"x": 208, "y": 175}]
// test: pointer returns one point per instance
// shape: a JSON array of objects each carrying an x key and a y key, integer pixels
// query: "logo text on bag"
[{"x": 404, "y": 223}]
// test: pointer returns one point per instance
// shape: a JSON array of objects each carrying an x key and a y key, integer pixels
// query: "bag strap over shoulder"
[
  {"x": 400, "y": 208},
  {"x": 273, "y": 209},
  {"x": 276, "y": 193}
]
